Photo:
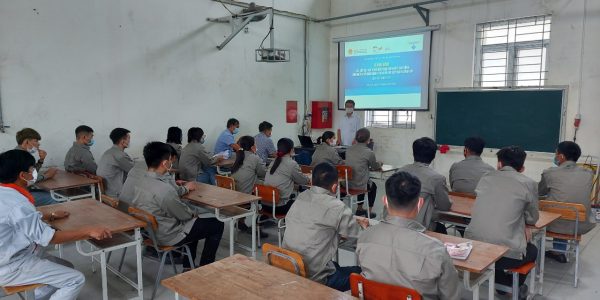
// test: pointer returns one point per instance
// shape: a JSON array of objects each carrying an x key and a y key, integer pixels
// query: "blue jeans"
[
  {"x": 208, "y": 176},
  {"x": 42, "y": 198},
  {"x": 340, "y": 280}
]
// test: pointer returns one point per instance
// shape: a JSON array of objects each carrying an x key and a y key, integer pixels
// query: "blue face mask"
[
  {"x": 236, "y": 131},
  {"x": 556, "y": 161},
  {"x": 91, "y": 143}
]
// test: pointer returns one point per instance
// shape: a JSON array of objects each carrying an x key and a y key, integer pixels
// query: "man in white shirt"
[{"x": 348, "y": 125}]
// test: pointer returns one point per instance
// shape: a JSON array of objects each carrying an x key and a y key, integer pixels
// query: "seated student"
[
  {"x": 23, "y": 231},
  {"x": 362, "y": 160},
  {"x": 506, "y": 201},
  {"x": 115, "y": 163},
  {"x": 177, "y": 222},
  {"x": 174, "y": 136},
  {"x": 29, "y": 140},
  {"x": 265, "y": 148},
  {"x": 314, "y": 225},
  {"x": 195, "y": 163},
  {"x": 433, "y": 184},
  {"x": 79, "y": 158},
  {"x": 397, "y": 251},
  {"x": 226, "y": 140},
  {"x": 465, "y": 174},
  {"x": 324, "y": 152},
  {"x": 567, "y": 183},
  {"x": 283, "y": 173}
]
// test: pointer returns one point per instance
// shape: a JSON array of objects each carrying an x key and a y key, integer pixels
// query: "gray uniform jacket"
[
  {"x": 113, "y": 167},
  {"x": 178, "y": 148},
  {"x": 287, "y": 174},
  {"x": 156, "y": 195},
  {"x": 194, "y": 158},
  {"x": 506, "y": 201},
  {"x": 247, "y": 175},
  {"x": 397, "y": 252},
  {"x": 79, "y": 158},
  {"x": 361, "y": 159},
  {"x": 134, "y": 177},
  {"x": 326, "y": 153},
  {"x": 314, "y": 225},
  {"x": 568, "y": 183},
  {"x": 433, "y": 190},
  {"x": 465, "y": 174}
]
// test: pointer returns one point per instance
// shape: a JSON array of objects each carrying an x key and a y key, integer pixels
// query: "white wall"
[
  {"x": 452, "y": 63},
  {"x": 146, "y": 65}
]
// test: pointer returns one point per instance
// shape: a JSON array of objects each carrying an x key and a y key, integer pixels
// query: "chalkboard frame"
[{"x": 563, "y": 88}]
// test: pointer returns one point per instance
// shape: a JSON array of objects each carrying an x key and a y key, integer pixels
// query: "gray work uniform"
[
  {"x": 194, "y": 158},
  {"x": 113, "y": 167},
  {"x": 506, "y": 201},
  {"x": 326, "y": 153},
  {"x": 568, "y": 183},
  {"x": 396, "y": 251},
  {"x": 287, "y": 174},
  {"x": 79, "y": 158},
  {"x": 465, "y": 174},
  {"x": 177, "y": 148},
  {"x": 314, "y": 225},
  {"x": 361, "y": 159},
  {"x": 134, "y": 177},
  {"x": 155, "y": 195},
  {"x": 249, "y": 172},
  {"x": 433, "y": 190}
]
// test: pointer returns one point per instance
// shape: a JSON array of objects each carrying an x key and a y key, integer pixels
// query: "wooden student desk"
[
  {"x": 91, "y": 213},
  {"x": 65, "y": 180},
  {"x": 384, "y": 172},
  {"x": 240, "y": 277},
  {"x": 225, "y": 202}
]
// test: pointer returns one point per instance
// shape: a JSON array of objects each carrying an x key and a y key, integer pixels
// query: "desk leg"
[
  {"x": 492, "y": 282},
  {"x": 138, "y": 253},
  {"x": 542, "y": 258},
  {"x": 254, "y": 216},
  {"x": 93, "y": 191},
  {"x": 176, "y": 296},
  {"x": 104, "y": 279}
]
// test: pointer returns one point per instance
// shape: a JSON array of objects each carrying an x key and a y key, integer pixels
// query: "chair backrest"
[
  {"x": 144, "y": 216},
  {"x": 369, "y": 289},
  {"x": 306, "y": 169},
  {"x": 461, "y": 194},
  {"x": 284, "y": 259},
  {"x": 89, "y": 175},
  {"x": 567, "y": 210},
  {"x": 225, "y": 182},
  {"x": 267, "y": 193},
  {"x": 344, "y": 172},
  {"x": 110, "y": 201},
  {"x": 11, "y": 290}
]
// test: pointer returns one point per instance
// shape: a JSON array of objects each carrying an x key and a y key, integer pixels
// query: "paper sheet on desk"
[{"x": 225, "y": 154}]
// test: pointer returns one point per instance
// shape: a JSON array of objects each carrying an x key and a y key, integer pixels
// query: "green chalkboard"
[{"x": 530, "y": 118}]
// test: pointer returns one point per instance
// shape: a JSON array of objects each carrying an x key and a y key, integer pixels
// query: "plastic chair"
[
  {"x": 345, "y": 175},
  {"x": 270, "y": 195},
  {"x": 284, "y": 259},
  {"x": 366, "y": 289},
  {"x": 225, "y": 182},
  {"x": 24, "y": 291},
  {"x": 461, "y": 194}
]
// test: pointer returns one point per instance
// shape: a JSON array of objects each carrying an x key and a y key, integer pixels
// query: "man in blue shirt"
[
  {"x": 226, "y": 140},
  {"x": 265, "y": 147}
]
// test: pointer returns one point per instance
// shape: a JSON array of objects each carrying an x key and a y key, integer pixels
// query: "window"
[
  {"x": 390, "y": 118},
  {"x": 512, "y": 52}
]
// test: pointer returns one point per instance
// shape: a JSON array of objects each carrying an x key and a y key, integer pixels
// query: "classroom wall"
[
  {"x": 452, "y": 63},
  {"x": 146, "y": 65}
]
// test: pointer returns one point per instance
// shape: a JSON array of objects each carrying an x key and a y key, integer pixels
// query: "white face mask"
[
  {"x": 333, "y": 142},
  {"x": 32, "y": 181},
  {"x": 203, "y": 139},
  {"x": 349, "y": 110}
]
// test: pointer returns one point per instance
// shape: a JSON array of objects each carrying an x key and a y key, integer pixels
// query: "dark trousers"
[
  {"x": 279, "y": 209},
  {"x": 372, "y": 194},
  {"x": 209, "y": 229},
  {"x": 340, "y": 280},
  {"x": 508, "y": 263}
]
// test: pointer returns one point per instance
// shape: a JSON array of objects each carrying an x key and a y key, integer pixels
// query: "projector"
[{"x": 272, "y": 55}]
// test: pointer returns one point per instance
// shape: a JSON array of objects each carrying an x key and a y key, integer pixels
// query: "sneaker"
[{"x": 559, "y": 257}]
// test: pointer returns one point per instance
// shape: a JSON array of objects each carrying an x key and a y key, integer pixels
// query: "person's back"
[
  {"x": 326, "y": 153},
  {"x": 361, "y": 159},
  {"x": 465, "y": 174},
  {"x": 177, "y": 148},
  {"x": 134, "y": 177},
  {"x": 249, "y": 172},
  {"x": 194, "y": 158},
  {"x": 113, "y": 167},
  {"x": 285, "y": 176}
]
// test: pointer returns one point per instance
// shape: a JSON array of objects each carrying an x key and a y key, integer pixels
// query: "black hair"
[
  {"x": 362, "y": 135},
  {"x": 570, "y": 150},
  {"x": 513, "y": 156},
  {"x": 402, "y": 190},
  {"x": 174, "y": 135},
  {"x": 155, "y": 153},
  {"x": 324, "y": 175},
  {"x": 117, "y": 134},
  {"x": 424, "y": 150},
  {"x": 12, "y": 163},
  {"x": 326, "y": 135},
  {"x": 475, "y": 144},
  {"x": 232, "y": 122},
  {"x": 284, "y": 146},
  {"x": 264, "y": 125},
  {"x": 195, "y": 134},
  {"x": 350, "y": 101},
  {"x": 246, "y": 142},
  {"x": 83, "y": 129}
]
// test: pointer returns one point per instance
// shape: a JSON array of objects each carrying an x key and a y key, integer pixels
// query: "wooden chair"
[
  {"x": 150, "y": 240},
  {"x": 366, "y": 289},
  {"x": 344, "y": 176},
  {"x": 24, "y": 291},
  {"x": 306, "y": 169},
  {"x": 270, "y": 195},
  {"x": 572, "y": 212},
  {"x": 225, "y": 182},
  {"x": 284, "y": 259},
  {"x": 461, "y": 194}
]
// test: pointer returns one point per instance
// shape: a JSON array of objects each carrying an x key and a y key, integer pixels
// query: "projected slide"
[{"x": 385, "y": 73}]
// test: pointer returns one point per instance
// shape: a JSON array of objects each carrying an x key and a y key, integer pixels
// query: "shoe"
[
  {"x": 501, "y": 293},
  {"x": 361, "y": 212},
  {"x": 559, "y": 257},
  {"x": 243, "y": 227},
  {"x": 373, "y": 215},
  {"x": 523, "y": 291}
]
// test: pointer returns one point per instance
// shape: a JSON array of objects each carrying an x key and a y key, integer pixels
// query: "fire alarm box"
[{"x": 322, "y": 114}]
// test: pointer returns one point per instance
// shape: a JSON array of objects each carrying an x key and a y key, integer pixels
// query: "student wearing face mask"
[
  {"x": 265, "y": 148},
  {"x": 348, "y": 125},
  {"x": 226, "y": 140},
  {"x": 196, "y": 164},
  {"x": 324, "y": 151},
  {"x": 115, "y": 163},
  {"x": 28, "y": 140},
  {"x": 79, "y": 158}
]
